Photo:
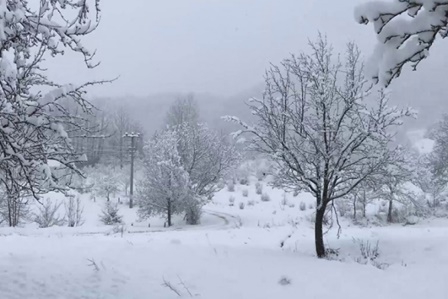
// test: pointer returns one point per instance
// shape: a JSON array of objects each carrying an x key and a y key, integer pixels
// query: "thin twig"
[
  {"x": 185, "y": 287},
  {"x": 171, "y": 287},
  {"x": 93, "y": 264}
]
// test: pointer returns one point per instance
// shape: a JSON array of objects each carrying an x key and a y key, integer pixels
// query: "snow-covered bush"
[
  {"x": 230, "y": 186},
  {"x": 369, "y": 253},
  {"x": 48, "y": 214},
  {"x": 109, "y": 214},
  {"x": 343, "y": 207},
  {"x": 241, "y": 205},
  {"x": 245, "y": 193},
  {"x": 231, "y": 200},
  {"x": 74, "y": 211},
  {"x": 258, "y": 188},
  {"x": 302, "y": 206},
  {"x": 284, "y": 201},
  {"x": 265, "y": 197},
  {"x": 221, "y": 185},
  {"x": 284, "y": 281},
  {"x": 193, "y": 212},
  {"x": 251, "y": 202},
  {"x": 244, "y": 181},
  {"x": 295, "y": 193},
  {"x": 260, "y": 175}
]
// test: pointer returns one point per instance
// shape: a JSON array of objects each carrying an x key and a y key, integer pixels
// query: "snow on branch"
[
  {"x": 406, "y": 31},
  {"x": 34, "y": 109}
]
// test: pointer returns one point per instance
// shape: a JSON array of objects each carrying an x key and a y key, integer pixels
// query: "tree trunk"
[
  {"x": 318, "y": 232},
  {"x": 169, "y": 212},
  {"x": 364, "y": 204},
  {"x": 389, "y": 214},
  {"x": 354, "y": 207}
]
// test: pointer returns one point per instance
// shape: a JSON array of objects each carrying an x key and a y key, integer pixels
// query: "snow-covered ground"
[{"x": 264, "y": 250}]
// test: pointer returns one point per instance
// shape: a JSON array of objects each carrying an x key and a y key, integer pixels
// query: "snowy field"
[{"x": 265, "y": 250}]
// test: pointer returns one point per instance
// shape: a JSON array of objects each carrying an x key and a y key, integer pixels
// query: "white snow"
[{"x": 234, "y": 253}]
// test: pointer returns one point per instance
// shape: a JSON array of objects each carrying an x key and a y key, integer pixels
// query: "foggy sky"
[{"x": 221, "y": 47}]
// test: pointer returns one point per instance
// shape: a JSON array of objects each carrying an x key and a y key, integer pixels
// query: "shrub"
[
  {"x": 369, "y": 253},
  {"x": 73, "y": 212},
  {"x": 258, "y": 188},
  {"x": 343, "y": 208},
  {"x": 221, "y": 185},
  {"x": 265, "y": 197},
  {"x": 245, "y": 193},
  {"x": 260, "y": 175},
  {"x": 193, "y": 213},
  {"x": 284, "y": 201},
  {"x": 311, "y": 206},
  {"x": 284, "y": 281},
  {"x": 110, "y": 215},
  {"x": 302, "y": 206},
  {"x": 231, "y": 186},
  {"x": 241, "y": 205},
  {"x": 251, "y": 203},
  {"x": 47, "y": 214},
  {"x": 295, "y": 193},
  {"x": 244, "y": 181},
  {"x": 231, "y": 200}
]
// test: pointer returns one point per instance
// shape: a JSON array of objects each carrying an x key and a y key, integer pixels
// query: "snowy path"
[{"x": 211, "y": 220}]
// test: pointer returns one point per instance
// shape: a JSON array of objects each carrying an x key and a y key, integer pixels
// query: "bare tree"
[
  {"x": 318, "y": 128},
  {"x": 184, "y": 111},
  {"x": 392, "y": 183},
  {"x": 33, "y": 122},
  {"x": 406, "y": 29},
  {"x": 205, "y": 155}
]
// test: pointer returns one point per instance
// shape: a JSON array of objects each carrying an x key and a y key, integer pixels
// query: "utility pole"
[{"x": 132, "y": 150}]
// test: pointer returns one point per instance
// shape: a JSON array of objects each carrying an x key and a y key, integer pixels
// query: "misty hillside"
[{"x": 150, "y": 111}]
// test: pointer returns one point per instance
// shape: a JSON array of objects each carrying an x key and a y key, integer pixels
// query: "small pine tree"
[{"x": 109, "y": 215}]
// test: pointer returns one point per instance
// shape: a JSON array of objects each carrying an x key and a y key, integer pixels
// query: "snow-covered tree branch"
[
  {"x": 32, "y": 111},
  {"x": 406, "y": 31}
]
